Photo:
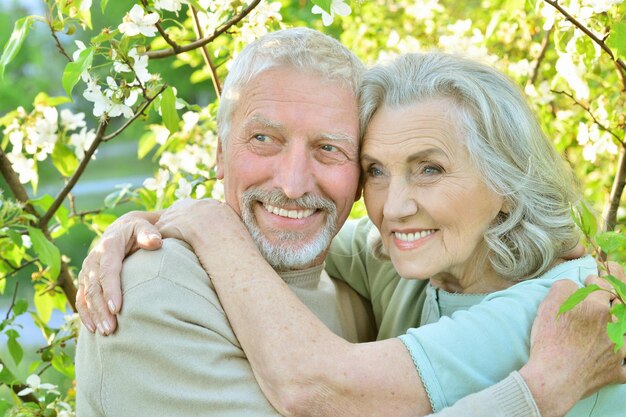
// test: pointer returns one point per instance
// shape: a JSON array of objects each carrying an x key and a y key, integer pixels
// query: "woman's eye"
[
  {"x": 374, "y": 172},
  {"x": 431, "y": 170}
]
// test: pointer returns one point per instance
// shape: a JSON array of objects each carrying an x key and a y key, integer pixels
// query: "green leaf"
[
  {"x": 64, "y": 159},
  {"x": 15, "y": 349},
  {"x": 12, "y": 47},
  {"x": 4, "y": 407},
  {"x": 46, "y": 302},
  {"x": 577, "y": 297},
  {"x": 617, "y": 40},
  {"x": 104, "y": 36},
  {"x": 72, "y": 72},
  {"x": 103, "y": 4},
  {"x": 64, "y": 364},
  {"x": 618, "y": 286},
  {"x": 20, "y": 307},
  {"x": 168, "y": 110},
  {"x": 323, "y": 4},
  {"x": 611, "y": 241},
  {"x": 585, "y": 220},
  {"x": 196, "y": 4},
  {"x": 6, "y": 377},
  {"x": 617, "y": 329},
  {"x": 42, "y": 99},
  {"x": 146, "y": 144},
  {"x": 44, "y": 202},
  {"x": 47, "y": 252},
  {"x": 115, "y": 197}
]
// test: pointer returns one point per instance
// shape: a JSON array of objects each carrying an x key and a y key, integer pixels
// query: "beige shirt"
[{"x": 174, "y": 353}]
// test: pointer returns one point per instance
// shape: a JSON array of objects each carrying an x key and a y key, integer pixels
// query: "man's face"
[{"x": 290, "y": 165}]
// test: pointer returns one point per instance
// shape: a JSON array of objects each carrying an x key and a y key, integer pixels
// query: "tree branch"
[
  {"x": 165, "y": 36},
  {"x": 201, "y": 42},
  {"x": 598, "y": 41},
  {"x": 619, "y": 182},
  {"x": 17, "y": 285},
  {"x": 56, "y": 39},
  {"x": 544, "y": 47},
  {"x": 16, "y": 187},
  {"x": 137, "y": 114},
  {"x": 588, "y": 110},
  {"x": 205, "y": 53},
  {"x": 43, "y": 222}
]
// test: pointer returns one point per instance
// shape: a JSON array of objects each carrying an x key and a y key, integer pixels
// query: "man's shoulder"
[{"x": 174, "y": 262}]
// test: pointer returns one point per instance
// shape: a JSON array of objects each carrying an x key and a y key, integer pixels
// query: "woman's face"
[{"x": 423, "y": 192}]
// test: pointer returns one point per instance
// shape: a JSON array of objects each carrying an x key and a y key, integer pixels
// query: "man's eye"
[
  {"x": 263, "y": 138},
  {"x": 329, "y": 148}
]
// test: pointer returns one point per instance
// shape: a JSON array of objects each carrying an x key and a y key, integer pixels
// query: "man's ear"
[{"x": 220, "y": 161}]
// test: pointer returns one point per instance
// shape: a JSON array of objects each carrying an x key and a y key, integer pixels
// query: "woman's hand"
[{"x": 99, "y": 296}]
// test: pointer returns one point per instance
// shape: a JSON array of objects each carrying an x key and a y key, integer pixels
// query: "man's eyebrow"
[
  {"x": 262, "y": 121},
  {"x": 340, "y": 137}
]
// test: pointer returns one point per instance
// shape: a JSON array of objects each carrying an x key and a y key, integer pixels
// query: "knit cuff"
[{"x": 514, "y": 397}]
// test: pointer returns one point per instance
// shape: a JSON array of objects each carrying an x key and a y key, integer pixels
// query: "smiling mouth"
[
  {"x": 291, "y": 214},
  {"x": 411, "y": 237}
]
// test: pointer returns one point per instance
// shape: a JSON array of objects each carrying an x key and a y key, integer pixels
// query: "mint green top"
[{"x": 467, "y": 342}]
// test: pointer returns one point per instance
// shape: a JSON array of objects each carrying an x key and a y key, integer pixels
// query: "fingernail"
[
  {"x": 106, "y": 326},
  {"x": 89, "y": 327},
  {"x": 111, "y": 305},
  {"x": 153, "y": 236},
  {"x": 100, "y": 329}
]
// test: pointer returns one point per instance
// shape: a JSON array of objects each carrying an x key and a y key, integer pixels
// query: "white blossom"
[
  {"x": 71, "y": 121},
  {"x": 34, "y": 383},
  {"x": 82, "y": 141},
  {"x": 161, "y": 133},
  {"x": 424, "y": 10},
  {"x": 81, "y": 48},
  {"x": 190, "y": 120},
  {"x": 158, "y": 183},
  {"x": 218, "y": 190},
  {"x": 255, "y": 27},
  {"x": 24, "y": 167},
  {"x": 169, "y": 5},
  {"x": 136, "y": 22},
  {"x": 42, "y": 135},
  {"x": 338, "y": 7},
  {"x": 184, "y": 189},
  {"x": 200, "y": 191},
  {"x": 27, "y": 243},
  {"x": 140, "y": 66},
  {"x": 572, "y": 74}
]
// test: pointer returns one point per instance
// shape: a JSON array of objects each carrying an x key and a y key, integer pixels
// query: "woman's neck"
[{"x": 475, "y": 277}]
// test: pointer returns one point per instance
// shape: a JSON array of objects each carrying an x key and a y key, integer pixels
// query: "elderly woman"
[{"x": 468, "y": 197}]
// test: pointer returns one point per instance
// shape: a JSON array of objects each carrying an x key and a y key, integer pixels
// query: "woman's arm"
[{"x": 302, "y": 367}]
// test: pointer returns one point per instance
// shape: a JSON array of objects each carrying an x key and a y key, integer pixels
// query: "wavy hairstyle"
[
  {"x": 301, "y": 49},
  {"x": 506, "y": 144}
]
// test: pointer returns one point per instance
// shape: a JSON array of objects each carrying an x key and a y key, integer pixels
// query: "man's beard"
[{"x": 291, "y": 249}]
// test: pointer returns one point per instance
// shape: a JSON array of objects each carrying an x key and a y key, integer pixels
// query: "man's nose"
[
  {"x": 293, "y": 172},
  {"x": 400, "y": 202}
]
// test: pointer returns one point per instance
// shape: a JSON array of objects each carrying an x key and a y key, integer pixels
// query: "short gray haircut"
[
  {"x": 301, "y": 49},
  {"x": 506, "y": 144}
]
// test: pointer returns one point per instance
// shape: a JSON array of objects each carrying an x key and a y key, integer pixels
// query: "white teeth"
[
  {"x": 292, "y": 214},
  {"x": 410, "y": 237}
]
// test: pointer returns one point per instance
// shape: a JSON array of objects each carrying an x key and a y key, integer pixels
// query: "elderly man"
[{"x": 288, "y": 126}]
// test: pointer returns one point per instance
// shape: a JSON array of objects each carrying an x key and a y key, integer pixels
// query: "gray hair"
[
  {"x": 506, "y": 144},
  {"x": 302, "y": 49}
]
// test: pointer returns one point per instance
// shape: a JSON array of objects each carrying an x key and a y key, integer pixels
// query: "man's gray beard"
[{"x": 289, "y": 252}]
